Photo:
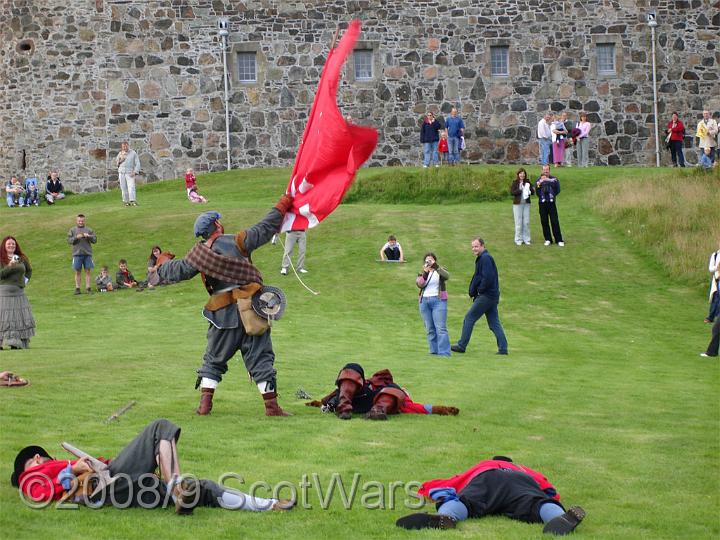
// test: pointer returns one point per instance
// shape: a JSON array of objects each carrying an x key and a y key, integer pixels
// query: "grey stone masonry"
[{"x": 77, "y": 77}]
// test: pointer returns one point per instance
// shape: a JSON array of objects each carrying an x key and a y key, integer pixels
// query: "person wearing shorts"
[{"x": 81, "y": 238}]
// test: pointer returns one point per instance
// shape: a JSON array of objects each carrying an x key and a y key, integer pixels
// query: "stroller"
[{"x": 32, "y": 194}]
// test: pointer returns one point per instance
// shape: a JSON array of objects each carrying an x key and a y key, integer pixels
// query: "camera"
[
  {"x": 15, "y": 258},
  {"x": 428, "y": 262}
]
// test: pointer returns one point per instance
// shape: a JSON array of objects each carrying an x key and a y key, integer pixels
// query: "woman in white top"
[{"x": 433, "y": 304}]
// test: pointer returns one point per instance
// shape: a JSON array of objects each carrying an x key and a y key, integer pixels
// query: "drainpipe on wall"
[
  {"x": 652, "y": 23},
  {"x": 223, "y": 32}
]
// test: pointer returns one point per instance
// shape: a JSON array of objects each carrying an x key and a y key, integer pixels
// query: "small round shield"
[{"x": 269, "y": 302}]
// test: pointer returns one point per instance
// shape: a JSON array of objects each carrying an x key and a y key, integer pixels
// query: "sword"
[{"x": 101, "y": 470}]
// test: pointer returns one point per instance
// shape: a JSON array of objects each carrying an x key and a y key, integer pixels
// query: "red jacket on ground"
[
  {"x": 41, "y": 483},
  {"x": 459, "y": 481}
]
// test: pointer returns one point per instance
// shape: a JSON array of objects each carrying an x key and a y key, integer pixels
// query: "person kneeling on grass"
[
  {"x": 376, "y": 397},
  {"x": 42, "y": 478},
  {"x": 495, "y": 487}
]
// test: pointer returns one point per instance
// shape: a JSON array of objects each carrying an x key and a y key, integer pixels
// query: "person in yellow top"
[{"x": 707, "y": 130}]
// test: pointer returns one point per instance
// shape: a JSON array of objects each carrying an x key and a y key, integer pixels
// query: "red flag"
[{"x": 331, "y": 150}]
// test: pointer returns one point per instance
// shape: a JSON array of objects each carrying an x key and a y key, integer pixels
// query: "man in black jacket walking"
[{"x": 485, "y": 291}]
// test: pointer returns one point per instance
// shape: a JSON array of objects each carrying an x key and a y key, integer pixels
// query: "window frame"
[
  {"x": 367, "y": 55},
  {"x": 505, "y": 57},
  {"x": 604, "y": 52}
]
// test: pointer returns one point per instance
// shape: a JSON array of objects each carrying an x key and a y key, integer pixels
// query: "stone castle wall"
[{"x": 79, "y": 76}]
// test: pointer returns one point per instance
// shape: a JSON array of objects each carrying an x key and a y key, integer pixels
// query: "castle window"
[
  {"x": 363, "y": 60},
  {"x": 247, "y": 67},
  {"x": 606, "y": 58},
  {"x": 499, "y": 61}
]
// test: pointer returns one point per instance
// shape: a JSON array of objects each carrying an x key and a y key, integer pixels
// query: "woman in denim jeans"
[
  {"x": 433, "y": 304},
  {"x": 429, "y": 138}
]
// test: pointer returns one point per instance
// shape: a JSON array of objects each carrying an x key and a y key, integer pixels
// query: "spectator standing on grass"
[
  {"x": 443, "y": 147},
  {"x": 521, "y": 189},
  {"x": 583, "y": 140},
  {"x": 54, "y": 190},
  {"x": 484, "y": 290},
  {"x": 429, "y": 138},
  {"x": 569, "y": 142},
  {"x": 455, "y": 130},
  {"x": 707, "y": 131},
  {"x": 433, "y": 304},
  {"x": 128, "y": 164},
  {"x": 714, "y": 345},
  {"x": 81, "y": 238},
  {"x": 714, "y": 268},
  {"x": 559, "y": 134},
  {"x": 294, "y": 238},
  {"x": 548, "y": 188},
  {"x": 544, "y": 134},
  {"x": 675, "y": 136},
  {"x": 17, "y": 325}
]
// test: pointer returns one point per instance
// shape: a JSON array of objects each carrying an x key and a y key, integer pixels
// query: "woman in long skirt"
[{"x": 17, "y": 325}]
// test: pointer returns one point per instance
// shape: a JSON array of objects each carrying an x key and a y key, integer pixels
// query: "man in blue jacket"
[
  {"x": 485, "y": 291},
  {"x": 455, "y": 130}
]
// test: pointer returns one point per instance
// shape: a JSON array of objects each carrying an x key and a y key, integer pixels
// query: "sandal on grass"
[{"x": 10, "y": 379}]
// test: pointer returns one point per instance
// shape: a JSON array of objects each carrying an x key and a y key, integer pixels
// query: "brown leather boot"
[
  {"x": 206, "y": 398},
  {"x": 349, "y": 382},
  {"x": 187, "y": 496},
  {"x": 443, "y": 410},
  {"x": 384, "y": 404},
  {"x": 271, "y": 405}
]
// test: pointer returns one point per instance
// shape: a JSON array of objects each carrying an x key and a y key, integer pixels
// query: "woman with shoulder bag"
[
  {"x": 521, "y": 189},
  {"x": 433, "y": 304}
]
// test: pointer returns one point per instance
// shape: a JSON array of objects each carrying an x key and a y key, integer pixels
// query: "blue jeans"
[
  {"x": 430, "y": 150},
  {"x": 454, "y": 149},
  {"x": 545, "y": 147},
  {"x": 483, "y": 305},
  {"x": 434, "y": 314},
  {"x": 15, "y": 199}
]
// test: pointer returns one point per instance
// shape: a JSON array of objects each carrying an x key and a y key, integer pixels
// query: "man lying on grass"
[
  {"x": 42, "y": 478},
  {"x": 376, "y": 397},
  {"x": 495, "y": 487}
]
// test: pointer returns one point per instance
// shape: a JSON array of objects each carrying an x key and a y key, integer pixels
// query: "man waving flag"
[{"x": 331, "y": 150}]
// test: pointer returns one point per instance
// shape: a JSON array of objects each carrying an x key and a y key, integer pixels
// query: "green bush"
[{"x": 432, "y": 186}]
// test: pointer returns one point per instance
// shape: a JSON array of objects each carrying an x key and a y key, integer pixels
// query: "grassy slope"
[{"x": 603, "y": 391}]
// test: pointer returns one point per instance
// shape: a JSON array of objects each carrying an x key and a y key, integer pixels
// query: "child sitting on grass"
[
  {"x": 124, "y": 278},
  {"x": 31, "y": 192},
  {"x": 104, "y": 281},
  {"x": 705, "y": 161},
  {"x": 191, "y": 187}
]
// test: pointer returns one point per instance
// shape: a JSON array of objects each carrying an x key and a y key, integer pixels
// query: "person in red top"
[
  {"x": 676, "y": 133},
  {"x": 495, "y": 486},
  {"x": 42, "y": 478},
  {"x": 443, "y": 148}
]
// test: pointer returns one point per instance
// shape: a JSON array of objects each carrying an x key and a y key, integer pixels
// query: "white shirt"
[
  {"x": 432, "y": 286},
  {"x": 543, "y": 130}
]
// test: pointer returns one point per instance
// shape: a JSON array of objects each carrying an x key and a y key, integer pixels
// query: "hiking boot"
[
  {"x": 384, "y": 404},
  {"x": 206, "y": 398},
  {"x": 426, "y": 521},
  {"x": 89, "y": 290},
  {"x": 566, "y": 523},
  {"x": 457, "y": 348},
  {"x": 187, "y": 496},
  {"x": 77, "y": 290}
]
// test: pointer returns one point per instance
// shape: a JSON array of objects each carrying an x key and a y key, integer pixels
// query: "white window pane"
[
  {"x": 499, "y": 61},
  {"x": 246, "y": 67},
  {"x": 606, "y": 58},
  {"x": 363, "y": 65}
]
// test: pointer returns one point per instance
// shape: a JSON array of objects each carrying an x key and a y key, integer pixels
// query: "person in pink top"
[
  {"x": 191, "y": 187},
  {"x": 583, "y": 142}
]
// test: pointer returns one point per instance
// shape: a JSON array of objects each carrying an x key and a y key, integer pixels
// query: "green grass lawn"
[{"x": 603, "y": 390}]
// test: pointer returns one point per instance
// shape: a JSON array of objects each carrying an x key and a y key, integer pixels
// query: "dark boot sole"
[
  {"x": 565, "y": 524},
  {"x": 426, "y": 521}
]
